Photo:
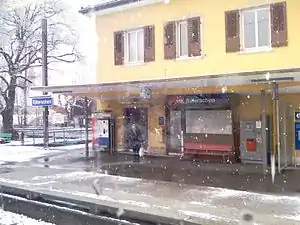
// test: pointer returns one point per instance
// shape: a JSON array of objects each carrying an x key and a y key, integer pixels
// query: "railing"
[{"x": 34, "y": 135}]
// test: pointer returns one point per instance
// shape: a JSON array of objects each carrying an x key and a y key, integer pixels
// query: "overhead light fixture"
[
  {"x": 62, "y": 92},
  {"x": 275, "y": 79}
]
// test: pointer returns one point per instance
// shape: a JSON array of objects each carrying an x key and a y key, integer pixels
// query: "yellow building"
[{"x": 165, "y": 63}]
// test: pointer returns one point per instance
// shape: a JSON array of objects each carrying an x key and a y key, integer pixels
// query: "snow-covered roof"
[{"x": 107, "y": 6}]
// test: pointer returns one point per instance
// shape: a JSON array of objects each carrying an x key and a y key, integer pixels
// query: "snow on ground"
[
  {"x": 9, "y": 218},
  {"x": 82, "y": 175},
  {"x": 15, "y": 152},
  {"x": 71, "y": 147},
  {"x": 22, "y": 153},
  {"x": 32, "y": 141}
]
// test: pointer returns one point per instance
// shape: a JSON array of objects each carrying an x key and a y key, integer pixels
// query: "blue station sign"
[
  {"x": 200, "y": 100},
  {"x": 42, "y": 101},
  {"x": 297, "y": 136}
]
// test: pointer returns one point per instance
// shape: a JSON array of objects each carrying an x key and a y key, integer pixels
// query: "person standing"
[{"x": 136, "y": 140}]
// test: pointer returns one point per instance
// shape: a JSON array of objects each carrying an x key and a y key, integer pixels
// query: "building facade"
[{"x": 200, "y": 70}]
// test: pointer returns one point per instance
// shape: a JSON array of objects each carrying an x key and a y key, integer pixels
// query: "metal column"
[
  {"x": 263, "y": 130},
  {"x": 45, "y": 80},
  {"x": 86, "y": 107},
  {"x": 276, "y": 131}
]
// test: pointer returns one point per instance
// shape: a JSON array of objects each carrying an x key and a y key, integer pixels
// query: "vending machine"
[
  {"x": 251, "y": 141},
  {"x": 103, "y": 131}
]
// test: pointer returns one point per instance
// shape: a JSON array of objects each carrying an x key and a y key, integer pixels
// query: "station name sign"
[
  {"x": 200, "y": 99},
  {"x": 42, "y": 101}
]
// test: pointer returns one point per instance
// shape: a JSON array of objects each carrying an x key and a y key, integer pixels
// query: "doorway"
[{"x": 139, "y": 116}]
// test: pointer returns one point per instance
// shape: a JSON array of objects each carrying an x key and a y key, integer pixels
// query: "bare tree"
[
  {"x": 21, "y": 46},
  {"x": 75, "y": 106}
]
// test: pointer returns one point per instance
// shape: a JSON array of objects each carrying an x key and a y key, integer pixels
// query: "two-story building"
[{"x": 201, "y": 70}]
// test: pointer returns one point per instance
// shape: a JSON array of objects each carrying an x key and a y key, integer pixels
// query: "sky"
[
  {"x": 80, "y": 72},
  {"x": 84, "y": 72}
]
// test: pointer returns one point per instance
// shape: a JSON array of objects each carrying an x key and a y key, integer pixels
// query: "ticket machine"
[
  {"x": 251, "y": 141},
  {"x": 103, "y": 131}
]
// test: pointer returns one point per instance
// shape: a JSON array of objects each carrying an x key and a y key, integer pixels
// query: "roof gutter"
[
  {"x": 247, "y": 77},
  {"x": 91, "y": 11}
]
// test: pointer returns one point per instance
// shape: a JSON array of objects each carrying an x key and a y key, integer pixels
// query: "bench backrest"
[{"x": 6, "y": 135}]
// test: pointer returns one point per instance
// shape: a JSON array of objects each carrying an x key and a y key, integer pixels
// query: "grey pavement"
[
  {"x": 247, "y": 177},
  {"x": 191, "y": 203}
]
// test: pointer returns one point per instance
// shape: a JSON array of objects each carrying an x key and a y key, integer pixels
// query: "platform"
[{"x": 158, "y": 201}]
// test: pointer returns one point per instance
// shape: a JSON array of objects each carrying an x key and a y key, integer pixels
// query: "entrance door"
[
  {"x": 174, "y": 130},
  {"x": 139, "y": 116}
]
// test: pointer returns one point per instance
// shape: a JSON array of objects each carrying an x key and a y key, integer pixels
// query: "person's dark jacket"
[{"x": 135, "y": 139}]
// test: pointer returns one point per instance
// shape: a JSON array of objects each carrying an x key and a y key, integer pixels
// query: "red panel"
[
  {"x": 175, "y": 100},
  {"x": 218, "y": 147},
  {"x": 251, "y": 145},
  {"x": 193, "y": 145}
]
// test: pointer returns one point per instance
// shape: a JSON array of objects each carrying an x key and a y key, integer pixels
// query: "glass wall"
[
  {"x": 175, "y": 130},
  {"x": 208, "y": 121}
]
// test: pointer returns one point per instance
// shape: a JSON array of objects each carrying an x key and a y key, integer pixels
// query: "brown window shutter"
[
  {"x": 194, "y": 45},
  {"x": 278, "y": 25},
  {"x": 232, "y": 28},
  {"x": 149, "y": 43},
  {"x": 170, "y": 40},
  {"x": 119, "y": 47}
]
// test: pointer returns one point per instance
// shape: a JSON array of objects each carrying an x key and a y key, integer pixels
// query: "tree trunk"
[
  {"x": 7, "y": 120},
  {"x": 8, "y": 112}
]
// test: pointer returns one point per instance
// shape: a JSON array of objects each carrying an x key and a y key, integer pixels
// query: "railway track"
[{"x": 61, "y": 213}]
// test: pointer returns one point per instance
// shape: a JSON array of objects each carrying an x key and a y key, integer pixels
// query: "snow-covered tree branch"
[{"x": 21, "y": 45}]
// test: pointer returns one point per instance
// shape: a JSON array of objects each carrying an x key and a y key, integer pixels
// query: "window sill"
[
  {"x": 189, "y": 58},
  {"x": 134, "y": 64},
  {"x": 256, "y": 50}
]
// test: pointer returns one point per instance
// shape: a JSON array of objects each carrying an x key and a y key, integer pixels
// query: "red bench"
[{"x": 198, "y": 149}]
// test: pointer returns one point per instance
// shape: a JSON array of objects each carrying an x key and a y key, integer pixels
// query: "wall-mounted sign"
[
  {"x": 102, "y": 132},
  {"x": 200, "y": 100},
  {"x": 297, "y": 115},
  {"x": 161, "y": 121},
  {"x": 297, "y": 136}
]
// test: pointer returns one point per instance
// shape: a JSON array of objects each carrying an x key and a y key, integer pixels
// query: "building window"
[
  {"x": 256, "y": 28},
  {"x": 134, "y": 46},
  {"x": 182, "y": 39}
]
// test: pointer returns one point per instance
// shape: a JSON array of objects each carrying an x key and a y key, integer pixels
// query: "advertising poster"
[{"x": 297, "y": 135}]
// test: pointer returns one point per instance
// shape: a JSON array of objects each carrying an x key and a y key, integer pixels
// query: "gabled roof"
[{"x": 109, "y": 5}]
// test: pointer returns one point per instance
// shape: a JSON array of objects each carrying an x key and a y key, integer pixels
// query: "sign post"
[{"x": 45, "y": 79}]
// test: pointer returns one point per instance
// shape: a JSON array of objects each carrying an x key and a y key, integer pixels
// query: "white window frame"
[
  {"x": 256, "y": 48},
  {"x": 127, "y": 49},
  {"x": 178, "y": 39}
]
